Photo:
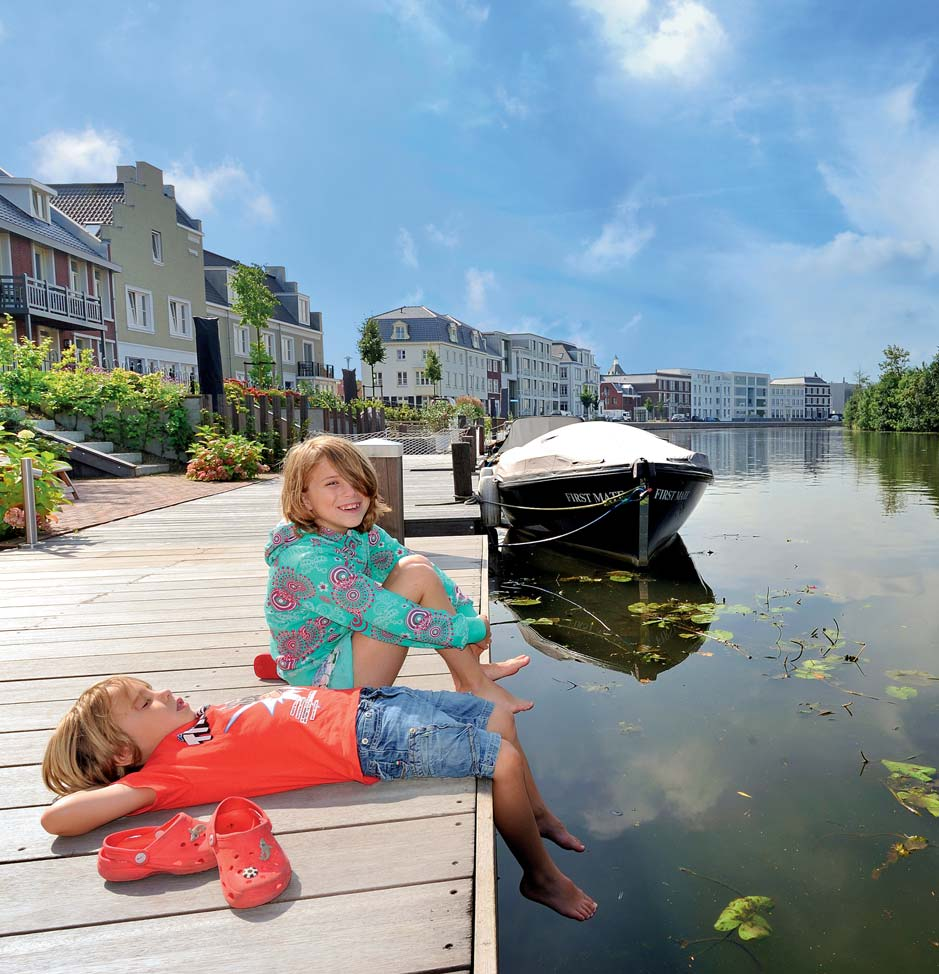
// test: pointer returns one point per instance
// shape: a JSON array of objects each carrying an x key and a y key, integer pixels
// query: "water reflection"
[
  {"x": 907, "y": 464},
  {"x": 590, "y": 610}
]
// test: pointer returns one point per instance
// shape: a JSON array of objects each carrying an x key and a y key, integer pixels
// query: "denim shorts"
[{"x": 405, "y": 733}]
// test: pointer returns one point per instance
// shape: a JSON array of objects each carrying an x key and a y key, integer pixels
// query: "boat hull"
[{"x": 564, "y": 508}]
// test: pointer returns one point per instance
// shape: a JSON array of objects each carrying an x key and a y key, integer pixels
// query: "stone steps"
[{"x": 106, "y": 447}]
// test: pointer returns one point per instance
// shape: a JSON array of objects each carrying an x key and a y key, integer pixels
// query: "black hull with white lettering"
[{"x": 575, "y": 487}]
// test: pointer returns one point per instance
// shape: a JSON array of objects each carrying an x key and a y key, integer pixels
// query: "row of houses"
[
  {"x": 511, "y": 373},
  {"x": 723, "y": 396},
  {"x": 120, "y": 268}
]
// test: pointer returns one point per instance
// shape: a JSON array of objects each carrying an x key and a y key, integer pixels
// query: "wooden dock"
[
  {"x": 429, "y": 505},
  {"x": 397, "y": 877}
]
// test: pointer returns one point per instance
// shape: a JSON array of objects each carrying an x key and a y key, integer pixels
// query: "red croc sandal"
[
  {"x": 251, "y": 864},
  {"x": 180, "y": 847},
  {"x": 265, "y": 668}
]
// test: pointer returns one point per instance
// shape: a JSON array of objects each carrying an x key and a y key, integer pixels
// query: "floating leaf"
[
  {"x": 622, "y": 576},
  {"x": 911, "y": 676},
  {"x": 815, "y": 669},
  {"x": 625, "y": 728},
  {"x": 734, "y": 610},
  {"x": 689, "y": 635},
  {"x": 902, "y": 693},
  {"x": 721, "y": 635},
  {"x": 899, "y": 850},
  {"x": 920, "y": 772},
  {"x": 579, "y": 578},
  {"x": 745, "y": 916},
  {"x": 542, "y": 622},
  {"x": 523, "y": 600}
]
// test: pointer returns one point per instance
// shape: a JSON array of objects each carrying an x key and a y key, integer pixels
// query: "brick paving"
[{"x": 112, "y": 498}]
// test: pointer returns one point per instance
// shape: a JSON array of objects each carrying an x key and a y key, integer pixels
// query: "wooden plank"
[
  {"x": 325, "y": 863},
  {"x": 322, "y": 807},
  {"x": 414, "y": 929}
]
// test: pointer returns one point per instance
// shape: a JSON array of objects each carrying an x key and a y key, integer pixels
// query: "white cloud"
[
  {"x": 681, "y": 39},
  {"x": 512, "y": 105},
  {"x": 852, "y": 253},
  {"x": 445, "y": 238},
  {"x": 202, "y": 191},
  {"x": 406, "y": 249},
  {"x": 618, "y": 243},
  {"x": 78, "y": 157},
  {"x": 477, "y": 284},
  {"x": 477, "y": 12}
]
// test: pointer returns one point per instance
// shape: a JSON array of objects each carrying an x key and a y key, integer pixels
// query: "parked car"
[{"x": 678, "y": 418}]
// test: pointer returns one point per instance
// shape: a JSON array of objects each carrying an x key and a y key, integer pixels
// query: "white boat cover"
[{"x": 589, "y": 446}]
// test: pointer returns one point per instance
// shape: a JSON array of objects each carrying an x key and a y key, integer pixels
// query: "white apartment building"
[
  {"x": 728, "y": 396},
  {"x": 536, "y": 370},
  {"x": 408, "y": 334},
  {"x": 800, "y": 397},
  {"x": 577, "y": 368}
]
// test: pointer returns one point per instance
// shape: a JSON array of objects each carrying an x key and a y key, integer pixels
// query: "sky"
[{"x": 726, "y": 184}]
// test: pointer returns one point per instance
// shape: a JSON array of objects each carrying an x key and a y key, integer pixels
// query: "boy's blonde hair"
[
  {"x": 348, "y": 461},
  {"x": 87, "y": 745}
]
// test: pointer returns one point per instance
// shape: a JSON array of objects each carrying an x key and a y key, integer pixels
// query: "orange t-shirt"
[{"x": 289, "y": 738}]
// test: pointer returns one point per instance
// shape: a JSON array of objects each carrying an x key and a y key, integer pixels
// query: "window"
[
  {"x": 74, "y": 275},
  {"x": 242, "y": 342},
  {"x": 421, "y": 378},
  {"x": 139, "y": 310},
  {"x": 268, "y": 344},
  {"x": 401, "y": 354},
  {"x": 180, "y": 318},
  {"x": 378, "y": 379},
  {"x": 304, "y": 306},
  {"x": 37, "y": 265},
  {"x": 401, "y": 331},
  {"x": 308, "y": 351},
  {"x": 156, "y": 246},
  {"x": 40, "y": 206},
  {"x": 103, "y": 293},
  {"x": 402, "y": 378},
  {"x": 286, "y": 347}
]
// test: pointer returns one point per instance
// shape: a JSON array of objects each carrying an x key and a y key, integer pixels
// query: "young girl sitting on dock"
[
  {"x": 345, "y": 599},
  {"x": 123, "y": 749}
]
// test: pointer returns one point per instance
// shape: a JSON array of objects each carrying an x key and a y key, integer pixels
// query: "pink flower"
[{"x": 15, "y": 517}]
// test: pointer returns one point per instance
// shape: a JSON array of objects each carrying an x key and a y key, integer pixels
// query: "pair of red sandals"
[{"x": 237, "y": 839}]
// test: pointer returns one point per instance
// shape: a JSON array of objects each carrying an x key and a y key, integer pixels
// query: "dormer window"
[
  {"x": 40, "y": 205},
  {"x": 475, "y": 339},
  {"x": 304, "y": 307},
  {"x": 452, "y": 331},
  {"x": 400, "y": 331}
]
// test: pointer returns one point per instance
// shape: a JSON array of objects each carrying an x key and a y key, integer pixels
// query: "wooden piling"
[
  {"x": 388, "y": 460},
  {"x": 464, "y": 464}
]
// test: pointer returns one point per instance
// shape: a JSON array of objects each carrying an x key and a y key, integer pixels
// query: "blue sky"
[{"x": 748, "y": 184}]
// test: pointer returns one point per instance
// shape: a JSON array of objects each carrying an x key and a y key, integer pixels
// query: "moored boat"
[{"x": 597, "y": 486}]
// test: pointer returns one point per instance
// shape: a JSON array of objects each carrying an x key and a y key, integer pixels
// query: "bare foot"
[
  {"x": 488, "y": 690},
  {"x": 551, "y": 827},
  {"x": 508, "y": 667},
  {"x": 560, "y": 894}
]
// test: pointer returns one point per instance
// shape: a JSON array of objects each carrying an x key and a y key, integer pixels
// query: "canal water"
[{"x": 717, "y": 729}]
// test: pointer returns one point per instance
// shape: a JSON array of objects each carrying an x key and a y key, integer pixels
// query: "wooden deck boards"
[{"x": 384, "y": 876}]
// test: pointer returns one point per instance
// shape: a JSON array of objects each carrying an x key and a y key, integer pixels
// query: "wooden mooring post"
[
  {"x": 387, "y": 458},
  {"x": 464, "y": 463}
]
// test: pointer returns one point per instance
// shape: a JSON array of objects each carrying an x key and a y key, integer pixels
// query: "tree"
[
  {"x": 432, "y": 370},
  {"x": 370, "y": 345},
  {"x": 254, "y": 304},
  {"x": 648, "y": 406},
  {"x": 896, "y": 361},
  {"x": 589, "y": 398}
]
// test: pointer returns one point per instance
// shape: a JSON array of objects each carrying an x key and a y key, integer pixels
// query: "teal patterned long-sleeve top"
[{"x": 324, "y": 587}]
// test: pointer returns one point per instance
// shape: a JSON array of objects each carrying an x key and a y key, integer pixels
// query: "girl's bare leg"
[
  {"x": 542, "y": 881},
  {"x": 415, "y": 579},
  {"x": 549, "y": 825}
]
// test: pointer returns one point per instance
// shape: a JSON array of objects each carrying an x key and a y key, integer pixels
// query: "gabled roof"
[
  {"x": 50, "y": 233},
  {"x": 280, "y": 312},
  {"x": 92, "y": 204}
]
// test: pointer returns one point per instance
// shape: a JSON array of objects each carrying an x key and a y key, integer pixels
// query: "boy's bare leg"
[
  {"x": 549, "y": 825},
  {"x": 542, "y": 881},
  {"x": 416, "y": 580}
]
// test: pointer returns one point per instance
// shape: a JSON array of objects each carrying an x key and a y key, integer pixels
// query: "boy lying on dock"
[{"x": 124, "y": 748}]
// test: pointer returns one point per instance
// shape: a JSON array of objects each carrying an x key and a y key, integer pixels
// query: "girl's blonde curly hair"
[{"x": 348, "y": 461}]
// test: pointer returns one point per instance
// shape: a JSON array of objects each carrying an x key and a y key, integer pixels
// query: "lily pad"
[
  {"x": 745, "y": 915},
  {"x": 622, "y": 577},
  {"x": 545, "y": 621},
  {"x": 902, "y": 693},
  {"x": 734, "y": 610},
  {"x": 921, "y": 772},
  {"x": 899, "y": 850},
  {"x": 815, "y": 669},
  {"x": 523, "y": 600},
  {"x": 721, "y": 635},
  {"x": 920, "y": 677}
]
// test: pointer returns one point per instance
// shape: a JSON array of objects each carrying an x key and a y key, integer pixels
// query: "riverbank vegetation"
[{"x": 905, "y": 398}]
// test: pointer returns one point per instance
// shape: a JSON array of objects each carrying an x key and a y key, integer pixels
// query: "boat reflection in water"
[{"x": 590, "y": 609}]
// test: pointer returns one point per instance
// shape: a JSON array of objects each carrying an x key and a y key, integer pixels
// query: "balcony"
[
  {"x": 311, "y": 370},
  {"x": 22, "y": 294}
]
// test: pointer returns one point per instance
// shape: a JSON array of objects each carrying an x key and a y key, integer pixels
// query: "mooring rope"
[{"x": 636, "y": 494}]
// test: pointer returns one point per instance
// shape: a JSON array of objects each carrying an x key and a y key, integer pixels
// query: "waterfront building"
[
  {"x": 56, "y": 278},
  {"x": 294, "y": 335},
  {"x": 729, "y": 395},
  {"x": 840, "y": 392},
  {"x": 537, "y": 371},
  {"x": 618, "y": 400},
  {"x": 577, "y": 369},
  {"x": 158, "y": 288},
  {"x": 800, "y": 397},
  {"x": 665, "y": 392},
  {"x": 408, "y": 334}
]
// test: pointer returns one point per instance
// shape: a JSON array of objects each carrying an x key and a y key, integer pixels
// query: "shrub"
[
  {"x": 22, "y": 379},
  {"x": 48, "y": 489},
  {"x": 219, "y": 456}
]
